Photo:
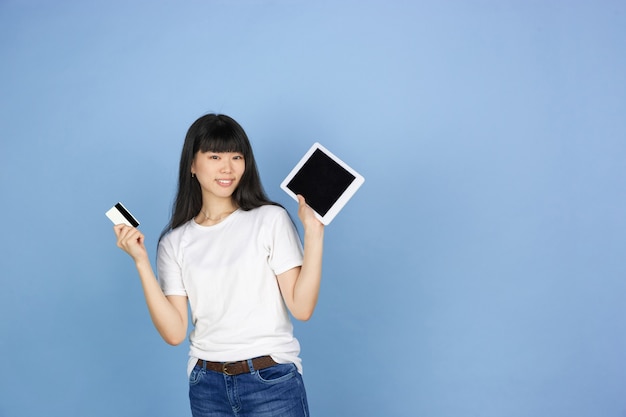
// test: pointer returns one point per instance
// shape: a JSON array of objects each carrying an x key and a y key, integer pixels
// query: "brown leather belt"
[{"x": 237, "y": 368}]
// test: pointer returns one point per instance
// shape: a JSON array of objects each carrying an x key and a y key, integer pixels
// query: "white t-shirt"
[{"x": 228, "y": 272}]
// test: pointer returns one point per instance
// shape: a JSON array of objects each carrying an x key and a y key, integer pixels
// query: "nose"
[{"x": 226, "y": 165}]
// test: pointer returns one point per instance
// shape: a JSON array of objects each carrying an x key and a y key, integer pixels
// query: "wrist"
[
  {"x": 142, "y": 262},
  {"x": 314, "y": 230}
]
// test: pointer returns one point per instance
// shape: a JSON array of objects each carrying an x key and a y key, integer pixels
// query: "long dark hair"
[{"x": 215, "y": 133}]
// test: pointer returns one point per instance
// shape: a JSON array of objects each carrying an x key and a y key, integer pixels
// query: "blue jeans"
[{"x": 277, "y": 391}]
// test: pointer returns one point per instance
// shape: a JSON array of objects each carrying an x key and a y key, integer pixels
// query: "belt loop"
[
  {"x": 250, "y": 365},
  {"x": 204, "y": 365}
]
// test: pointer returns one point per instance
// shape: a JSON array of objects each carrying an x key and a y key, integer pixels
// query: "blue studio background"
[{"x": 480, "y": 270}]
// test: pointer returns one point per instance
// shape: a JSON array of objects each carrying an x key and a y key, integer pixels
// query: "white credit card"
[{"x": 118, "y": 214}]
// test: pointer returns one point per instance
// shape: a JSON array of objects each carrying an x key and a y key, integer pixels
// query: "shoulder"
[
  {"x": 269, "y": 216},
  {"x": 175, "y": 235},
  {"x": 268, "y": 212}
]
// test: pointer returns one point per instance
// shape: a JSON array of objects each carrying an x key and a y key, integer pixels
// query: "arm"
[
  {"x": 169, "y": 314},
  {"x": 300, "y": 286}
]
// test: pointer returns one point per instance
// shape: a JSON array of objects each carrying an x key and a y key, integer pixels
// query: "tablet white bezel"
[{"x": 345, "y": 196}]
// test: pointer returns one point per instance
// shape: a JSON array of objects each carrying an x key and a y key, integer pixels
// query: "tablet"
[{"x": 325, "y": 181}]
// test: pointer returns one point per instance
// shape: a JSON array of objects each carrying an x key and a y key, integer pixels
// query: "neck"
[{"x": 214, "y": 212}]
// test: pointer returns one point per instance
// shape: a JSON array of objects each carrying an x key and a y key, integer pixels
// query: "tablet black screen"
[{"x": 321, "y": 181}]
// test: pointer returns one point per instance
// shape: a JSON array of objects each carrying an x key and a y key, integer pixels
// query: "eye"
[
  {"x": 214, "y": 156},
  {"x": 238, "y": 157}
]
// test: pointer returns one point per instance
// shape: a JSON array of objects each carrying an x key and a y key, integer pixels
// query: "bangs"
[{"x": 222, "y": 140}]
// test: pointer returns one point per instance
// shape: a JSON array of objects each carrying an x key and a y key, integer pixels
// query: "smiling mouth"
[{"x": 225, "y": 183}]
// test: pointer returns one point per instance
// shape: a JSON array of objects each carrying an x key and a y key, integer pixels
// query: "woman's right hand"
[{"x": 131, "y": 241}]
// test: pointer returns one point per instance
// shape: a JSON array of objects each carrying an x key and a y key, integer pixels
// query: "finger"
[
  {"x": 122, "y": 239},
  {"x": 118, "y": 228},
  {"x": 129, "y": 236},
  {"x": 132, "y": 235},
  {"x": 123, "y": 233},
  {"x": 122, "y": 229}
]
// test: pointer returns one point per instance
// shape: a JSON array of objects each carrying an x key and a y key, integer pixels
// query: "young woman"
[{"x": 236, "y": 258}]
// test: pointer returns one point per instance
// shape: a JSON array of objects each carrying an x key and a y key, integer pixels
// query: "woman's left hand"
[{"x": 307, "y": 216}]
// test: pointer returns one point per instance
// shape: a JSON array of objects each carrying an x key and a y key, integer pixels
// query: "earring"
[{"x": 193, "y": 175}]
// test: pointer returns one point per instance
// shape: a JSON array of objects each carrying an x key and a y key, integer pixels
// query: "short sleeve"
[
  {"x": 285, "y": 246},
  {"x": 169, "y": 271}
]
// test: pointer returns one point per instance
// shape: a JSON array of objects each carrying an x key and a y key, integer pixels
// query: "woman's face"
[{"x": 218, "y": 173}]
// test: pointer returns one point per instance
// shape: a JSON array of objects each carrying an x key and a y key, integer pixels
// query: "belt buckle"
[{"x": 225, "y": 368}]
